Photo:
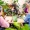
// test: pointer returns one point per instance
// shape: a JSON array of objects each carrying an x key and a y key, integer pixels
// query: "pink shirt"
[{"x": 3, "y": 23}]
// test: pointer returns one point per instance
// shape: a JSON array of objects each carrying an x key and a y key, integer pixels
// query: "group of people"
[{"x": 5, "y": 24}]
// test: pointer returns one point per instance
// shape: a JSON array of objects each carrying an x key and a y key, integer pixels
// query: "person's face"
[{"x": 12, "y": 8}]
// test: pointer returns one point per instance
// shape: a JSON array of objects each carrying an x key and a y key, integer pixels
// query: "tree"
[
  {"x": 1, "y": 2},
  {"x": 5, "y": 6},
  {"x": 15, "y": 1}
]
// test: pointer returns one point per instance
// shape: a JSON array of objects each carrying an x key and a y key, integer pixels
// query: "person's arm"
[{"x": 4, "y": 23}]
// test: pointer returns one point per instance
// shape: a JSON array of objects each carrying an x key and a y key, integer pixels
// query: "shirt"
[
  {"x": 25, "y": 10},
  {"x": 3, "y": 23},
  {"x": 27, "y": 18}
]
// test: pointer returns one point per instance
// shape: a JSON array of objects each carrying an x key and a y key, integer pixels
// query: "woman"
[
  {"x": 14, "y": 9},
  {"x": 27, "y": 18},
  {"x": 3, "y": 23}
]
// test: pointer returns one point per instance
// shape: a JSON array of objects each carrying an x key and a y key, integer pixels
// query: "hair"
[{"x": 15, "y": 9}]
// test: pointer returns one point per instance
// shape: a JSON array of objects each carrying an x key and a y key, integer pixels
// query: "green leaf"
[
  {"x": 15, "y": 1},
  {"x": 1, "y": 2},
  {"x": 24, "y": 5},
  {"x": 10, "y": 29},
  {"x": 26, "y": 27},
  {"x": 23, "y": 28}
]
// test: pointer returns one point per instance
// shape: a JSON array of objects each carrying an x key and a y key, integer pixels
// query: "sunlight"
[{"x": 21, "y": 2}]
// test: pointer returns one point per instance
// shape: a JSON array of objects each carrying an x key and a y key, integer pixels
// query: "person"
[
  {"x": 27, "y": 18},
  {"x": 3, "y": 23},
  {"x": 14, "y": 9}
]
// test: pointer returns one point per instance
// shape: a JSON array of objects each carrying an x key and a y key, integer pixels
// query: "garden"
[{"x": 15, "y": 16}]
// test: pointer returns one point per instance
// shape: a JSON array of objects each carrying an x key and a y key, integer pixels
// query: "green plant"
[
  {"x": 24, "y": 5},
  {"x": 10, "y": 29},
  {"x": 8, "y": 12},
  {"x": 15, "y": 1},
  {"x": 1, "y": 2},
  {"x": 17, "y": 25},
  {"x": 5, "y": 6}
]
